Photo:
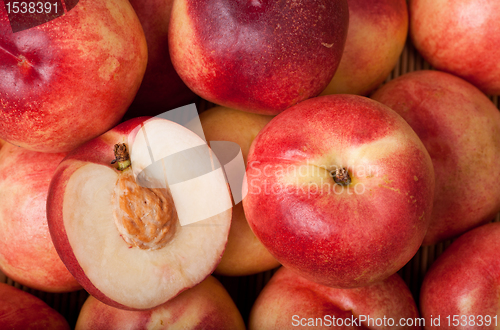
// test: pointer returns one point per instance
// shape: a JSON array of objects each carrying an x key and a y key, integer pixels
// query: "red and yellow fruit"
[
  {"x": 375, "y": 39},
  {"x": 340, "y": 190},
  {"x": 244, "y": 254},
  {"x": 461, "y": 288},
  {"x": 289, "y": 301},
  {"x": 71, "y": 79},
  {"x": 205, "y": 306},
  {"x": 459, "y": 37},
  {"x": 27, "y": 254},
  {"x": 20, "y": 310},
  {"x": 460, "y": 128},
  {"x": 259, "y": 56}
]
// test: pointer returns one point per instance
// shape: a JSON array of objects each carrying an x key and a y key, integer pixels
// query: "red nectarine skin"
[
  {"x": 27, "y": 254},
  {"x": 20, "y": 310},
  {"x": 260, "y": 56},
  {"x": 375, "y": 39},
  {"x": 288, "y": 294},
  {"x": 341, "y": 238},
  {"x": 205, "y": 306},
  {"x": 459, "y": 126},
  {"x": 70, "y": 79},
  {"x": 459, "y": 37},
  {"x": 465, "y": 280}
]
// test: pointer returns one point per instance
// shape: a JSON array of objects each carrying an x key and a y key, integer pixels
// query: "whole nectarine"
[
  {"x": 340, "y": 190},
  {"x": 460, "y": 128},
  {"x": 459, "y": 37},
  {"x": 71, "y": 79},
  {"x": 260, "y": 56}
]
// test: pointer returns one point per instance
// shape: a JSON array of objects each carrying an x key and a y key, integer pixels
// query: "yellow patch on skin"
[
  {"x": 188, "y": 52},
  {"x": 110, "y": 42},
  {"x": 390, "y": 188},
  {"x": 387, "y": 180},
  {"x": 107, "y": 69},
  {"x": 359, "y": 71},
  {"x": 117, "y": 15},
  {"x": 362, "y": 163},
  {"x": 189, "y": 318},
  {"x": 415, "y": 178}
]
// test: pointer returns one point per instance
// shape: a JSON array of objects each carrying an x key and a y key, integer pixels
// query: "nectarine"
[
  {"x": 340, "y": 190},
  {"x": 140, "y": 213}
]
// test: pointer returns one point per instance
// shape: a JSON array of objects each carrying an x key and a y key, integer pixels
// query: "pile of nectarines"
[{"x": 310, "y": 157}]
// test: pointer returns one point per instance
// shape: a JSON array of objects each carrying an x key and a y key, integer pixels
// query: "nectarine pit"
[
  {"x": 341, "y": 177},
  {"x": 145, "y": 217}
]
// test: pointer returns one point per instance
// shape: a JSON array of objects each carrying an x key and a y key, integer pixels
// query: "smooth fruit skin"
[
  {"x": 27, "y": 254},
  {"x": 289, "y": 301},
  {"x": 205, "y": 306},
  {"x": 20, "y": 310},
  {"x": 71, "y": 79},
  {"x": 259, "y": 56},
  {"x": 459, "y": 37},
  {"x": 339, "y": 236},
  {"x": 375, "y": 39},
  {"x": 161, "y": 89},
  {"x": 244, "y": 254},
  {"x": 465, "y": 280},
  {"x": 459, "y": 126}
]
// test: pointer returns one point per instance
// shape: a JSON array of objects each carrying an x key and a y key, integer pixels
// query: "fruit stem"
[
  {"x": 122, "y": 157},
  {"x": 341, "y": 177}
]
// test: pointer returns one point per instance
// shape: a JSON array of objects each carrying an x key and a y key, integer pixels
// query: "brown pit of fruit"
[{"x": 145, "y": 217}]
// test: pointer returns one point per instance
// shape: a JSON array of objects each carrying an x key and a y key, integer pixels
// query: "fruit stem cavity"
[
  {"x": 341, "y": 177},
  {"x": 122, "y": 157}
]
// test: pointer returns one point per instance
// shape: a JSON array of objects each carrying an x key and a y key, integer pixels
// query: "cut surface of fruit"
[{"x": 122, "y": 237}]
